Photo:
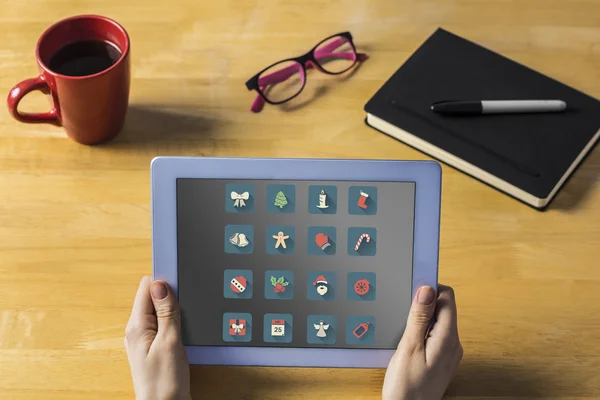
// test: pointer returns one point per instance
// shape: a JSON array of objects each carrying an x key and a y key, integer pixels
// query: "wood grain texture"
[{"x": 75, "y": 220}]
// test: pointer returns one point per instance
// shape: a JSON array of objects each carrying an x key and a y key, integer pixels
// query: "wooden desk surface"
[{"x": 75, "y": 220}]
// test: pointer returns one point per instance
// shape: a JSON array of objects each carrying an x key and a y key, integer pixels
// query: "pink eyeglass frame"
[{"x": 302, "y": 63}]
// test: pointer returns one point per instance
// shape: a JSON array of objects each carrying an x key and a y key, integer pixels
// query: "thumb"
[
  {"x": 167, "y": 310},
  {"x": 419, "y": 318}
]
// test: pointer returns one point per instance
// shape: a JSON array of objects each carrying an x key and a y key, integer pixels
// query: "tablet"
[{"x": 294, "y": 262}]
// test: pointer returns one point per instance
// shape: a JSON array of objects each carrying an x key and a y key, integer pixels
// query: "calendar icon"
[{"x": 278, "y": 327}]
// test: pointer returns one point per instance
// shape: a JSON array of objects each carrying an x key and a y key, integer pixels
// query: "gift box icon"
[{"x": 237, "y": 327}]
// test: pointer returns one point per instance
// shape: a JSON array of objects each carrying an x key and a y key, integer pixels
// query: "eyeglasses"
[{"x": 285, "y": 79}]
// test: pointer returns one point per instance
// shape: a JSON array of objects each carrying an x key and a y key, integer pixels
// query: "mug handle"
[{"x": 19, "y": 91}]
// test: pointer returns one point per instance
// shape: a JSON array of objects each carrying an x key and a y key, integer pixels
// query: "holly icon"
[
  {"x": 361, "y": 287},
  {"x": 279, "y": 284}
]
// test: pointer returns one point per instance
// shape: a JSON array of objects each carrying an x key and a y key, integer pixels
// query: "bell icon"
[
  {"x": 239, "y": 240},
  {"x": 243, "y": 241}
]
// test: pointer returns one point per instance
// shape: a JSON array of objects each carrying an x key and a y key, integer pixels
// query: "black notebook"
[{"x": 528, "y": 156}]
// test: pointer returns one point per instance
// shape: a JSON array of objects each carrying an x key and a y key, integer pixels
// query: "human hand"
[
  {"x": 157, "y": 358},
  {"x": 425, "y": 363}
]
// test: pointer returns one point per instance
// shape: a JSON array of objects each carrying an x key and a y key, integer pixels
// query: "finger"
[
  {"x": 143, "y": 304},
  {"x": 419, "y": 318},
  {"x": 443, "y": 340},
  {"x": 167, "y": 310},
  {"x": 142, "y": 308},
  {"x": 446, "y": 321}
]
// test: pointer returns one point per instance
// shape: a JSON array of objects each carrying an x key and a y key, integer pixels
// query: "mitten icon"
[{"x": 322, "y": 241}]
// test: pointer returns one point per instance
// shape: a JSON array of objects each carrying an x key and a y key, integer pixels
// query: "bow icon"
[
  {"x": 237, "y": 329},
  {"x": 239, "y": 198}
]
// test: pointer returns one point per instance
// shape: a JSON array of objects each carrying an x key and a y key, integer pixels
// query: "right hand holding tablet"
[{"x": 425, "y": 363}]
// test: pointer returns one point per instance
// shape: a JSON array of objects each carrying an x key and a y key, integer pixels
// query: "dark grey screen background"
[{"x": 201, "y": 221}]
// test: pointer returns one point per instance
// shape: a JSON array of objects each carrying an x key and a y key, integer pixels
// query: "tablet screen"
[{"x": 294, "y": 263}]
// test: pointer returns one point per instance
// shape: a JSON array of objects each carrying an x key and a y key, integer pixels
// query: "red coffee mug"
[{"x": 91, "y": 108}]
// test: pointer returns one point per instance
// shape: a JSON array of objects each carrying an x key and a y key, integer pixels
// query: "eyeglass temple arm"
[{"x": 285, "y": 73}]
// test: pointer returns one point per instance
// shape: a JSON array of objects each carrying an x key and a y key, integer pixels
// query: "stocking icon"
[{"x": 362, "y": 200}]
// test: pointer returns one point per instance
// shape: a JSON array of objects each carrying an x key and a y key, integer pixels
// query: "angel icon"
[{"x": 321, "y": 328}]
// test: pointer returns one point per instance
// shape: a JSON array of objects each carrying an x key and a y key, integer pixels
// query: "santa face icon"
[
  {"x": 322, "y": 289},
  {"x": 321, "y": 285}
]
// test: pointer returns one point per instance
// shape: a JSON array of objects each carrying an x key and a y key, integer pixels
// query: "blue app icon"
[
  {"x": 237, "y": 327},
  {"x": 321, "y": 329},
  {"x": 280, "y": 239},
  {"x": 362, "y": 200},
  {"x": 321, "y": 285},
  {"x": 277, "y": 328},
  {"x": 322, "y": 199},
  {"x": 360, "y": 330},
  {"x": 321, "y": 240},
  {"x": 239, "y": 197},
  {"x": 239, "y": 239},
  {"x": 281, "y": 199},
  {"x": 237, "y": 284},
  {"x": 279, "y": 285},
  {"x": 362, "y": 241},
  {"x": 361, "y": 286}
]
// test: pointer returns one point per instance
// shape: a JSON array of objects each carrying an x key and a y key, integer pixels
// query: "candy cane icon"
[{"x": 365, "y": 236}]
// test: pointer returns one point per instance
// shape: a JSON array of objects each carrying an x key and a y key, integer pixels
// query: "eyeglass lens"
[
  {"x": 282, "y": 81},
  {"x": 335, "y": 55}
]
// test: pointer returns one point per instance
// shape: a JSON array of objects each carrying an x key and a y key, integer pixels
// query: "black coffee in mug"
[{"x": 85, "y": 57}]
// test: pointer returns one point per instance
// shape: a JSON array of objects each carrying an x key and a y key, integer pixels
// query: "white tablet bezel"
[{"x": 166, "y": 170}]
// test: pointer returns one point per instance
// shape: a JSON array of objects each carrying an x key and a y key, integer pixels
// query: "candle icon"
[{"x": 322, "y": 200}]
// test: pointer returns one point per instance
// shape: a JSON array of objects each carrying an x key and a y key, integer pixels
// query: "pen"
[{"x": 498, "y": 107}]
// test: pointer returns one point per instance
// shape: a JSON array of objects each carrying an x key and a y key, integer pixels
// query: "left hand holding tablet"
[
  {"x": 157, "y": 358},
  {"x": 425, "y": 362}
]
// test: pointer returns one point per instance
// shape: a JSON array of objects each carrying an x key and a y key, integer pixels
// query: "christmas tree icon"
[{"x": 280, "y": 200}]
